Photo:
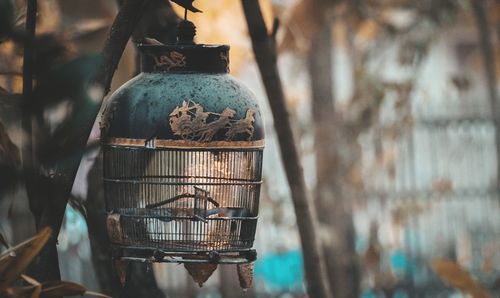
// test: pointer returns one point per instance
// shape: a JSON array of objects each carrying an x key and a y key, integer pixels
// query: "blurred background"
[{"x": 392, "y": 104}]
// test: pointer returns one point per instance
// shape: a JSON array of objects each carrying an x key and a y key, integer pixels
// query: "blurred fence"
[{"x": 430, "y": 193}]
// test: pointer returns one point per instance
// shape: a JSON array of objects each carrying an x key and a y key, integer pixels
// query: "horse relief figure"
[
  {"x": 191, "y": 122},
  {"x": 206, "y": 133},
  {"x": 243, "y": 126},
  {"x": 181, "y": 121},
  {"x": 200, "y": 117}
]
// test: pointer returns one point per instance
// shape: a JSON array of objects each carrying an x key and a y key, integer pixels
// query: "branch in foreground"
[
  {"x": 56, "y": 186},
  {"x": 123, "y": 26},
  {"x": 264, "y": 48},
  {"x": 480, "y": 10}
]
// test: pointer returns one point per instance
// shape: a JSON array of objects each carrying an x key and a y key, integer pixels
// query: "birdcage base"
[{"x": 163, "y": 256}]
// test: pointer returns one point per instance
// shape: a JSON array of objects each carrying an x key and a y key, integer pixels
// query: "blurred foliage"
[
  {"x": 14, "y": 262},
  {"x": 63, "y": 94},
  {"x": 67, "y": 81},
  {"x": 62, "y": 101},
  {"x": 6, "y": 17},
  {"x": 72, "y": 83}
]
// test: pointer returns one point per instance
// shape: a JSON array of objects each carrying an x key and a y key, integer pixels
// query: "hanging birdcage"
[{"x": 182, "y": 146}]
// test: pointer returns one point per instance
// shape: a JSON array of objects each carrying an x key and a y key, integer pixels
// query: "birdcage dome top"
[{"x": 183, "y": 109}]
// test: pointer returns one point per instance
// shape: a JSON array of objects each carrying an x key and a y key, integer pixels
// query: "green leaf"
[
  {"x": 72, "y": 82},
  {"x": 67, "y": 81},
  {"x": 61, "y": 288}
]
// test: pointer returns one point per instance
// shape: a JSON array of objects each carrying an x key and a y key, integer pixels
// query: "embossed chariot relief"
[{"x": 189, "y": 121}]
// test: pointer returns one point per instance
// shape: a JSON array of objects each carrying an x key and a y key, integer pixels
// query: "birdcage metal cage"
[
  {"x": 182, "y": 150},
  {"x": 182, "y": 200}
]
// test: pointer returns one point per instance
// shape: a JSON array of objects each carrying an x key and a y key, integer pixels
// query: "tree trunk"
[
  {"x": 334, "y": 207},
  {"x": 264, "y": 47},
  {"x": 42, "y": 191},
  {"x": 487, "y": 49}
]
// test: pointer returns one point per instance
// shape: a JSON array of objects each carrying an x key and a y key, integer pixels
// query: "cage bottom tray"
[{"x": 166, "y": 256}]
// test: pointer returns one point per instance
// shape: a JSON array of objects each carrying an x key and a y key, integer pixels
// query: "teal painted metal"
[
  {"x": 140, "y": 109},
  {"x": 189, "y": 76}
]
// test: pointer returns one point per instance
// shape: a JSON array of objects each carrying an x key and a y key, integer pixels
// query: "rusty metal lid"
[{"x": 185, "y": 55}]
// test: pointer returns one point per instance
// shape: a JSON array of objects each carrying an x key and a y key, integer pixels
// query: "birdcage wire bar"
[{"x": 183, "y": 200}]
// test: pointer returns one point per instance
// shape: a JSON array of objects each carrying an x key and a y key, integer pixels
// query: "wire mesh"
[{"x": 182, "y": 199}]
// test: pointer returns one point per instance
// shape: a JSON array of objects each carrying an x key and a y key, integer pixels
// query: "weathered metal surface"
[
  {"x": 184, "y": 144},
  {"x": 185, "y": 58},
  {"x": 142, "y": 108}
]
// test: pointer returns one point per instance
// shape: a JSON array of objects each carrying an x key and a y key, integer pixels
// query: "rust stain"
[{"x": 186, "y": 144}]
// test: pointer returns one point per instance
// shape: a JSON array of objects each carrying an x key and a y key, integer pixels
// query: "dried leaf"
[
  {"x": 245, "y": 275},
  {"x": 22, "y": 292},
  {"x": 459, "y": 278},
  {"x": 30, "y": 280},
  {"x": 200, "y": 272},
  {"x": 14, "y": 261},
  {"x": 94, "y": 294},
  {"x": 61, "y": 288},
  {"x": 36, "y": 292}
]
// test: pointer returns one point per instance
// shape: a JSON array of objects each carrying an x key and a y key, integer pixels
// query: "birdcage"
[{"x": 182, "y": 145}]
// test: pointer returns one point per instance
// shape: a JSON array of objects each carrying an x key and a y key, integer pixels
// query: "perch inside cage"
[{"x": 182, "y": 146}]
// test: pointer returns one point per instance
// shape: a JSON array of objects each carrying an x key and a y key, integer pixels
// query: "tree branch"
[
  {"x": 123, "y": 26},
  {"x": 483, "y": 27},
  {"x": 264, "y": 48},
  {"x": 26, "y": 121},
  {"x": 54, "y": 186}
]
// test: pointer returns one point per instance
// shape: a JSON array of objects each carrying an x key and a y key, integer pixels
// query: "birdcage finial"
[{"x": 188, "y": 5}]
